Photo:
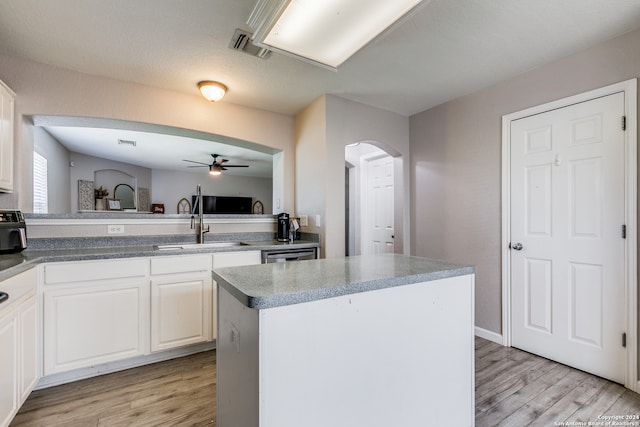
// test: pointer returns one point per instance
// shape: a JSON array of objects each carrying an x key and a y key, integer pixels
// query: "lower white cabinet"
[
  {"x": 9, "y": 367},
  {"x": 97, "y": 312},
  {"x": 18, "y": 343},
  {"x": 29, "y": 368},
  {"x": 181, "y": 301},
  {"x": 94, "y": 312}
]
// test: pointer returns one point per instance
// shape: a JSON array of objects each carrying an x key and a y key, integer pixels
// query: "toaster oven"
[{"x": 13, "y": 231}]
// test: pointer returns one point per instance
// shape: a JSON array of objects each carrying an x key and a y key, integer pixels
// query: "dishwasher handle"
[{"x": 273, "y": 257}]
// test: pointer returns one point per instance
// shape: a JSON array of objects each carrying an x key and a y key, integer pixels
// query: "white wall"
[
  {"x": 456, "y": 161},
  {"x": 46, "y": 90}
]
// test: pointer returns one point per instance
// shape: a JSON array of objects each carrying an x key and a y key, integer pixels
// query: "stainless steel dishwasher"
[{"x": 287, "y": 255}]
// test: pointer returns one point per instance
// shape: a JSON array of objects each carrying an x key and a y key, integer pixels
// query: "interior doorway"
[
  {"x": 373, "y": 200},
  {"x": 569, "y": 191}
]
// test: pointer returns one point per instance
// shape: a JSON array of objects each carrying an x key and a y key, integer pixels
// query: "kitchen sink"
[{"x": 201, "y": 245}]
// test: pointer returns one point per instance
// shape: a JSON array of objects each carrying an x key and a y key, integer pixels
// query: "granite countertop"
[
  {"x": 279, "y": 284},
  {"x": 12, "y": 264}
]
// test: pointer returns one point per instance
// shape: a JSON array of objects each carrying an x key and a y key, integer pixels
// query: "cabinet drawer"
[
  {"x": 180, "y": 264},
  {"x": 236, "y": 259},
  {"x": 81, "y": 271}
]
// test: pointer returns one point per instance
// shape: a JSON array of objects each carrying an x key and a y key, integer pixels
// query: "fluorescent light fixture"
[
  {"x": 326, "y": 32},
  {"x": 213, "y": 91}
]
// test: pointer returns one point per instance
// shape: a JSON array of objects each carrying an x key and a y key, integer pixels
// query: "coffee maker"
[{"x": 283, "y": 227}]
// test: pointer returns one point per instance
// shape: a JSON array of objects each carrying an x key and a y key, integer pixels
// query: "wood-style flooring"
[
  {"x": 517, "y": 389},
  {"x": 513, "y": 388}
]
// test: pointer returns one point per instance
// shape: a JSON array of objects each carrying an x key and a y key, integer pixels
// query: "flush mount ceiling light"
[
  {"x": 213, "y": 91},
  {"x": 324, "y": 32}
]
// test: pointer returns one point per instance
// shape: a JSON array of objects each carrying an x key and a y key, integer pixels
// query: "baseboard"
[
  {"x": 488, "y": 335},
  {"x": 107, "y": 368}
]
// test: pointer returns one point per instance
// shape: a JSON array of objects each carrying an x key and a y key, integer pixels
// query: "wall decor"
[
  {"x": 184, "y": 207},
  {"x": 86, "y": 196},
  {"x": 157, "y": 208},
  {"x": 258, "y": 208},
  {"x": 127, "y": 196},
  {"x": 143, "y": 200},
  {"x": 113, "y": 205}
]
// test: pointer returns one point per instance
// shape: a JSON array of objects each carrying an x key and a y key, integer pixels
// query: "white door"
[
  {"x": 380, "y": 213},
  {"x": 567, "y": 214}
]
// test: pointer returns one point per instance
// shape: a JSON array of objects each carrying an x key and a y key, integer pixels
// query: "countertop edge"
[
  {"x": 32, "y": 258},
  {"x": 261, "y": 302}
]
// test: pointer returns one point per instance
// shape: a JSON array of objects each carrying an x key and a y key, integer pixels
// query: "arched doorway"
[{"x": 373, "y": 199}]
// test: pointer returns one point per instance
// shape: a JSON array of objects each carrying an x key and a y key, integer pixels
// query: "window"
[{"x": 40, "y": 190}]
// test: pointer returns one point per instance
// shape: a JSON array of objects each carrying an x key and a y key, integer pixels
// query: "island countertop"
[{"x": 280, "y": 284}]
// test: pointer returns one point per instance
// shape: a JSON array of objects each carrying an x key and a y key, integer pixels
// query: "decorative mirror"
[{"x": 127, "y": 196}]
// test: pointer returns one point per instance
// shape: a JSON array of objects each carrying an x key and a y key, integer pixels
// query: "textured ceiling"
[{"x": 447, "y": 49}]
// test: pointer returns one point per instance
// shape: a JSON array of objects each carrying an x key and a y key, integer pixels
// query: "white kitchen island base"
[{"x": 396, "y": 356}]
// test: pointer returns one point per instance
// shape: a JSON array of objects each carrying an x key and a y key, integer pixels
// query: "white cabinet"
[
  {"x": 230, "y": 259},
  {"x": 6, "y": 138},
  {"x": 94, "y": 312},
  {"x": 9, "y": 367},
  {"x": 18, "y": 343},
  {"x": 29, "y": 368},
  {"x": 181, "y": 301}
]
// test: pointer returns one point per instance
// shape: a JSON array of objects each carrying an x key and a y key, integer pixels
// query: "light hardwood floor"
[{"x": 513, "y": 388}]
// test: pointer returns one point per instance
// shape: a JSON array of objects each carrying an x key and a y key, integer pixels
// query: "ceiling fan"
[{"x": 217, "y": 166}]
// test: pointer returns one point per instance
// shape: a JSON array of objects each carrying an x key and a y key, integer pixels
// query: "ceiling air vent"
[
  {"x": 127, "y": 142},
  {"x": 242, "y": 42}
]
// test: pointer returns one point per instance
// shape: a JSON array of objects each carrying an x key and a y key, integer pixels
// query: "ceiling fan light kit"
[
  {"x": 212, "y": 91},
  {"x": 216, "y": 167}
]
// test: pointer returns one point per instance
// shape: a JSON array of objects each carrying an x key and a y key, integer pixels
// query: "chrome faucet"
[{"x": 200, "y": 228}]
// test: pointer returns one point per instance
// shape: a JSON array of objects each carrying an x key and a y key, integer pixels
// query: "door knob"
[{"x": 516, "y": 246}]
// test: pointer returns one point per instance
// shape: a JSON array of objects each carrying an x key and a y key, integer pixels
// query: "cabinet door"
[
  {"x": 28, "y": 346},
  {"x": 91, "y": 324},
  {"x": 229, "y": 259},
  {"x": 6, "y": 138},
  {"x": 8, "y": 366},
  {"x": 180, "y": 310}
]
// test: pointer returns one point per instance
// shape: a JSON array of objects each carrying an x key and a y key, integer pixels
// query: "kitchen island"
[{"x": 359, "y": 341}]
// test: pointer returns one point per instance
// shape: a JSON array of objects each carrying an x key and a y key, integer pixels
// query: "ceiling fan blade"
[
  {"x": 199, "y": 166},
  {"x": 236, "y": 166},
  {"x": 193, "y": 161}
]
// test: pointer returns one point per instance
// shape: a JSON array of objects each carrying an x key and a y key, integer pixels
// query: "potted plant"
[{"x": 100, "y": 194}]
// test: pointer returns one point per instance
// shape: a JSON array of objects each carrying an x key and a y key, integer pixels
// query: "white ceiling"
[{"x": 449, "y": 48}]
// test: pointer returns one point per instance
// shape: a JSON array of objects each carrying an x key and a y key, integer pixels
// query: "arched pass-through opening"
[{"x": 374, "y": 199}]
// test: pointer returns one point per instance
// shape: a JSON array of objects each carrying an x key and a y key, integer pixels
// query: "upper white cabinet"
[{"x": 6, "y": 138}]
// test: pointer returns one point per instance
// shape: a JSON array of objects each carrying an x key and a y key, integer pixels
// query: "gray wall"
[
  {"x": 45, "y": 90},
  {"x": 170, "y": 186},
  {"x": 456, "y": 161}
]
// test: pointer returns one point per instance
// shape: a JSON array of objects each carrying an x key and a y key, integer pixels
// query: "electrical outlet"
[
  {"x": 304, "y": 220},
  {"x": 115, "y": 229}
]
